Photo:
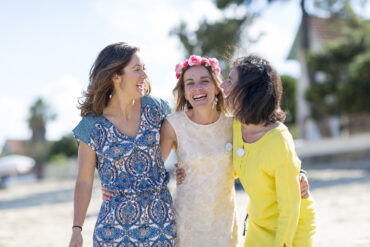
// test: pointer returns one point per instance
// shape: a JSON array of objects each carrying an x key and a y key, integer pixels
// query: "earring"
[
  {"x": 215, "y": 101},
  {"x": 110, "y": 96}
]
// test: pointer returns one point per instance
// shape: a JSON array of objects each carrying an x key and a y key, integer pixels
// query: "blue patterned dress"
[{"x": 141, "y": 210}]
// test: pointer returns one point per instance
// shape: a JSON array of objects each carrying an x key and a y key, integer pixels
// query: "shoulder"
[
  {"x": 175, "y": 115},
  {"x": 85, "y": 130},
  {"x": 228, "y": 120},
  {"x": 281, "y": 146},
  {"x": 152, "y": 101},
  {"x": 87, "y": 122},
  {"x": 281, "y": 138}
]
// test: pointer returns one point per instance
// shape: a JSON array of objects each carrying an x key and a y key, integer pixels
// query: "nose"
[
  {"x": 144, "y": 75},
  {"x": 198, "y": 85}
]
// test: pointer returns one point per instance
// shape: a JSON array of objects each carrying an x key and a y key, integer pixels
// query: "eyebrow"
[
  {"x": 137, "y": 65},
  {"x": 203, "y": 77}
]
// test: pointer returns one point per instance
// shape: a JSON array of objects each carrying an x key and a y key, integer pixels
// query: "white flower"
[
  {"x": 240, "y": 152},
  {"x": 229, "y": 146}
]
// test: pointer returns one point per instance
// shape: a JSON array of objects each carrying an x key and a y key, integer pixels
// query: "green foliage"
[
  {"x": 66, "y": 146},
  {"x": 288, "y": 101},
  {"x": 217, "y": 39},
  {"x": 344, "y": 64},
  {"x": 40, "y": 114},
  {"x": 222, "y": 4}
]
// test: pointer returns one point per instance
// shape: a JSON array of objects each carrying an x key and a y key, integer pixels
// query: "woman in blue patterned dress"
[{"x": 119, "y": 136}]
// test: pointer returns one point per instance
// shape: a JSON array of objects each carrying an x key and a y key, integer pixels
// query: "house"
[
  {"x": 321, "y": 30},
  {"x": 13, "y": 146}
]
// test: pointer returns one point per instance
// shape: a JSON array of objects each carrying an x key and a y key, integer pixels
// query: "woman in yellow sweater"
[{"x": 265, "y": 159}]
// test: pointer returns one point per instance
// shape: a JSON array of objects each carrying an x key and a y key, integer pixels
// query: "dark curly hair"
[{"x": 256, "y": 97}]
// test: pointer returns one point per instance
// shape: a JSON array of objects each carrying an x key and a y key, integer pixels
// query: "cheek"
[{"x": 186, "y": 92}]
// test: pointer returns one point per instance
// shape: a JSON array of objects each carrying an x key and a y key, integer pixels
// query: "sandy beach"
[{"x": 40, "y": 214}]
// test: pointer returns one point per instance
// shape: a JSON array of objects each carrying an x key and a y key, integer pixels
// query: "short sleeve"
[
  {"x": 161, "y": 105},
  {"x": 165, "y": 107},
  {"x": 84, "y": 131}
]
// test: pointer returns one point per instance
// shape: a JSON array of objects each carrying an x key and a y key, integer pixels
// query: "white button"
[
  {"x": 240, "y": 152},
  {"x": 229, "y": 146}
]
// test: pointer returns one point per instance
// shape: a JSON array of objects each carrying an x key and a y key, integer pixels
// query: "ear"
[{"x": 115, "y": 78}]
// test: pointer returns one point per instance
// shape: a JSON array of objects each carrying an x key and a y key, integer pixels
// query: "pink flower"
[
  {"x": 195, "y": 60},
  {"x": 205, "y": 60},
  {"x": 178, "y": 68},
  {"x": 217, "y": 71},
  {"x": 214, "y": 62}
]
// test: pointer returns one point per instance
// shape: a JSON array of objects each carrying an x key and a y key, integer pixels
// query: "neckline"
[
  {"x": 202, "y": 125},
  {"x": 281, "y": 126},
  {"x": 124, "y": 134}
]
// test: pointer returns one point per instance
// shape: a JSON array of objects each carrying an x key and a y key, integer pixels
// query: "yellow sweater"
[{"x": 269, "y": 172}]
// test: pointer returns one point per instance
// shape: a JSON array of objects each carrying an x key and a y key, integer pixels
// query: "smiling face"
[
  {"x": 230, "y": 82},
  {"x": 199, "y": 88},
  {"x": 132, "y": 80}
]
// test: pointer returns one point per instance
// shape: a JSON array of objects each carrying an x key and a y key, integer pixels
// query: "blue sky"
[{"x": 48, "y": 47}]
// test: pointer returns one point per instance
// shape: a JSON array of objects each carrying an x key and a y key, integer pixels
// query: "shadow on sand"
[{"x": 37, "y": 199}]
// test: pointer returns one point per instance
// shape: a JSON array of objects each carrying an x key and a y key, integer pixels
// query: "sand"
[{"x": 40, "y": 214}]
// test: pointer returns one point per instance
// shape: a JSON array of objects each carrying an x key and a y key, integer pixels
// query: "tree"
[
  {"x": 289, "y": 98},
  {"x": 344, "y": 68},
  {"x": 40, "y": 114},
  {"x": 219, "y": 39},
  {"x": 334, "y": 9},
  {"x": 67, "y": 146}
]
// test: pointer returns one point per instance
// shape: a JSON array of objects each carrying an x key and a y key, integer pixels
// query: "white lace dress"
[{"x": 205, "y": 202}]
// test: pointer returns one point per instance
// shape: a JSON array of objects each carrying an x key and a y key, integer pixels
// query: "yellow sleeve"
[{"x": 286, "y": 167}]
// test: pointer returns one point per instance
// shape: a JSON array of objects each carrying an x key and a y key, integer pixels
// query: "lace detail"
[{"x": 205, "y": 202}]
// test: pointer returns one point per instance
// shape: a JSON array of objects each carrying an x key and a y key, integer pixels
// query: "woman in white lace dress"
[{"x": 200, "y": 133}]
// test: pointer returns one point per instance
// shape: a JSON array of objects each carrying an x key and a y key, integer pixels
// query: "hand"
[
  {"x": 76, "y": 239},
  {"x": 305, "y": 187},
  {"x": 106, "y": 194},
  {"x": 179, "y": 174}
]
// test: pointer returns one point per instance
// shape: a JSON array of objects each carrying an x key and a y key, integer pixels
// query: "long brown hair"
[
  {"x": 110, "y": 61},
  {"x": 179, "y": 91},
  {"x": 256, "y": 97}
]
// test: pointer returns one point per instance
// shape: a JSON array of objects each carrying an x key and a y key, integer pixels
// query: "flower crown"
[{"x": 195, "y": 60}]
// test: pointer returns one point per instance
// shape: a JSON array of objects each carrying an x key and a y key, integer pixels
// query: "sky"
[{"x": 48, "y": 47}]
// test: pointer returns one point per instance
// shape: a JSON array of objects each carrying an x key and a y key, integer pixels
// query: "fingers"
[
  {"x": 180, "y": 172},
  {"x": 180, "y": 176},
  {"x": 107, "y": 194},
  {"x": 76, "y": 240},
  {"x": 305, "y": 194},
  {"x": 304, "y": 182}
]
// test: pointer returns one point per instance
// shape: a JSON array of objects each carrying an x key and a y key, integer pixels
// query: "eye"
[
  {"x": 189, "y": 84},
  {"x": 205, "y": 81}
]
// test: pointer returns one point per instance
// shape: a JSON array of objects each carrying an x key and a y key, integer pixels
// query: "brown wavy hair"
[
  {"x": 256, "y": 97},
  {"x": 179, "y": 91},
  {"x": 110, "y": 61}
]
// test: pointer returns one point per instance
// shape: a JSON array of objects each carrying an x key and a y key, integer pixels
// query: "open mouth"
[{"x": 199, "y": 97}]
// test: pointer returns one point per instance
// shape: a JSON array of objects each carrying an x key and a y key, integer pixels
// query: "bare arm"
[
  {"x": 168, "y": 139},
  {"x": 83, "y": 188}
]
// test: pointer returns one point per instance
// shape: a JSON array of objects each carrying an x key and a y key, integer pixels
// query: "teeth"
[{"x": 199, "y": 96}]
